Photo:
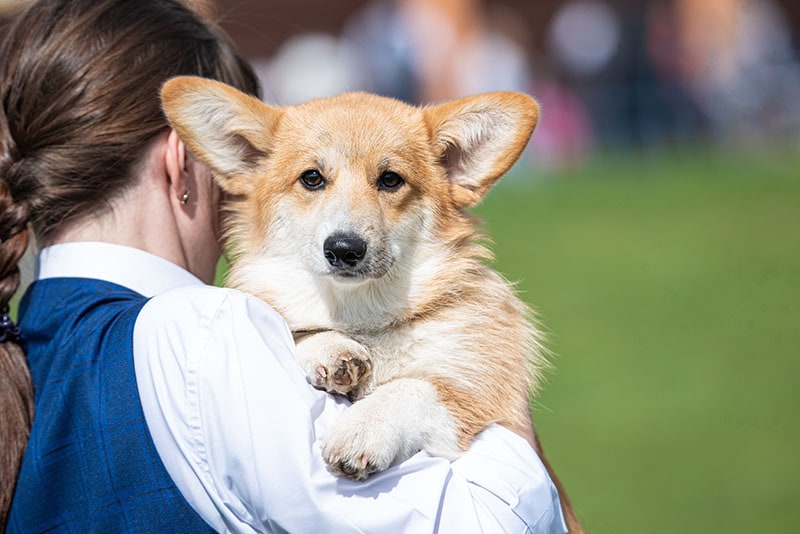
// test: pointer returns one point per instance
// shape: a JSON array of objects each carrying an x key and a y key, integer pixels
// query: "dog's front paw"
[
  {"x": 335, "y": 362},
  {"x": 357, "y": 446},
  {"x": 395, "y": 421},
  {"x": 345, "y": 373}
]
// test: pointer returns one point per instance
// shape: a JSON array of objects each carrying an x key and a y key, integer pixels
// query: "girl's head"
[{"x": 79, "y": 102}]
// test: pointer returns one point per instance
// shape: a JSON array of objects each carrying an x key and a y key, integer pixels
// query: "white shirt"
[{"x": 238, "y": 427}]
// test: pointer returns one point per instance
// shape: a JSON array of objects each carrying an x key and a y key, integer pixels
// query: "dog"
[{"x": 349, "y": 216}]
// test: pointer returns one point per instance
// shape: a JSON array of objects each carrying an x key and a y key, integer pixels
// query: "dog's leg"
[
  {"x": 334, "y": 362},
  {"x": 394, "y": 422}
]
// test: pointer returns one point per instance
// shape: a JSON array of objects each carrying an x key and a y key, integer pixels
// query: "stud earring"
[{"x": 185, "y": 197}]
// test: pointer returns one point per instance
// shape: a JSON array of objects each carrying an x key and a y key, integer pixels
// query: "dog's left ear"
[{"x": 479, "y": 138}]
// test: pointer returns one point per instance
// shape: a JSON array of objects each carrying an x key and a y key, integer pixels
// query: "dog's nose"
[{"x": 344, "y": 250}]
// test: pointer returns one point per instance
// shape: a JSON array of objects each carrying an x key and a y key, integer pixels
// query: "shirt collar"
[{"x": 140, "y": 271}]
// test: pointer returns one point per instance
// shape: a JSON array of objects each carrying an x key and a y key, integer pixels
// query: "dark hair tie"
[{"x": 8, "y": 330}]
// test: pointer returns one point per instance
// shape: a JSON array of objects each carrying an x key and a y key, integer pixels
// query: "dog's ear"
[
  {"x": 229, "y": 131},
  {"x": 479, "y": 138}
]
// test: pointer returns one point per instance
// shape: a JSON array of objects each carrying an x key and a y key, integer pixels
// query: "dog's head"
[{"x": 347, "y": 187}]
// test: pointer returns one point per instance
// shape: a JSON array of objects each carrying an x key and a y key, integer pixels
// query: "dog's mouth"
[
  {"x": 357, "y": 275},
  {"x": 349, "y": 276},
  {"x": 367, "y": 269}
]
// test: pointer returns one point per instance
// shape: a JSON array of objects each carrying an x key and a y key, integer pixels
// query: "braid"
[
  {"x": 16, "y": 411},
  {"x": 13, "y": 242},
  {"x": 16, "y": 389}
]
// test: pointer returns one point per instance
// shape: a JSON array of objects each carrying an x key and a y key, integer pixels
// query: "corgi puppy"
[{"x": 349, "y": 215}]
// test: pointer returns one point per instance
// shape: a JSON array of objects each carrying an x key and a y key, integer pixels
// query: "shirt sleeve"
[{"x": 239, "y": 429}]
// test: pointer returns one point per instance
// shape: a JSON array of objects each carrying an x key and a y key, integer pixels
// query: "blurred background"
[{"x": 653, "y": 223}]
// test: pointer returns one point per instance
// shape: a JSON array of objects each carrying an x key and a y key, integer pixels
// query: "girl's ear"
[
  {"x": 227, "y": 130},
  {"x": 175, "y": 164},
  {"x": 478, "y": 139}
]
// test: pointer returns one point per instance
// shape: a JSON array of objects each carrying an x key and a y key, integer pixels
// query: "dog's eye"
[
  {"x": 390, "y": 181},
  {"x": 312, "y": 180}
]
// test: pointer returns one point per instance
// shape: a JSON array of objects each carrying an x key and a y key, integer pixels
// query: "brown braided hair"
[
  {"x": 16, "y": 389},
  {"x": 79, "y": 102}
]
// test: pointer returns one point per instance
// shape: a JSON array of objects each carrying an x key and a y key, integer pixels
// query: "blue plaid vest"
[{"x": 90, "y": 465}]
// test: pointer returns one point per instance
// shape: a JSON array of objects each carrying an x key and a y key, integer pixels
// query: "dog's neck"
[{"x": 310, "y": 302}]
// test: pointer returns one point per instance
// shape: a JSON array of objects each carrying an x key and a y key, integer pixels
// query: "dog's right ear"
[{"x": 227, "y": 130}]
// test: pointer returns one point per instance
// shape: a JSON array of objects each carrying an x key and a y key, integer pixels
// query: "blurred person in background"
[
  {"x": 426, "y": 51},
  {"x": 739, "y": 64},
  {"x": 598, "y": 50},
  {"x": 160, "y": 403}
]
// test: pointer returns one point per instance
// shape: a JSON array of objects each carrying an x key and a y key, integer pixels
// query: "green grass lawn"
[{"x": 670, "y": 286}]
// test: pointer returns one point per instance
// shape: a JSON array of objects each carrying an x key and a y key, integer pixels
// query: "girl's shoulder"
[
  {"x": 192, "y": 313},
  {"x": 202, "y": 300}
]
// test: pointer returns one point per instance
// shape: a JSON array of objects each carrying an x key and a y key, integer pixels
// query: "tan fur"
[{"x": 422, "y": 308}]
